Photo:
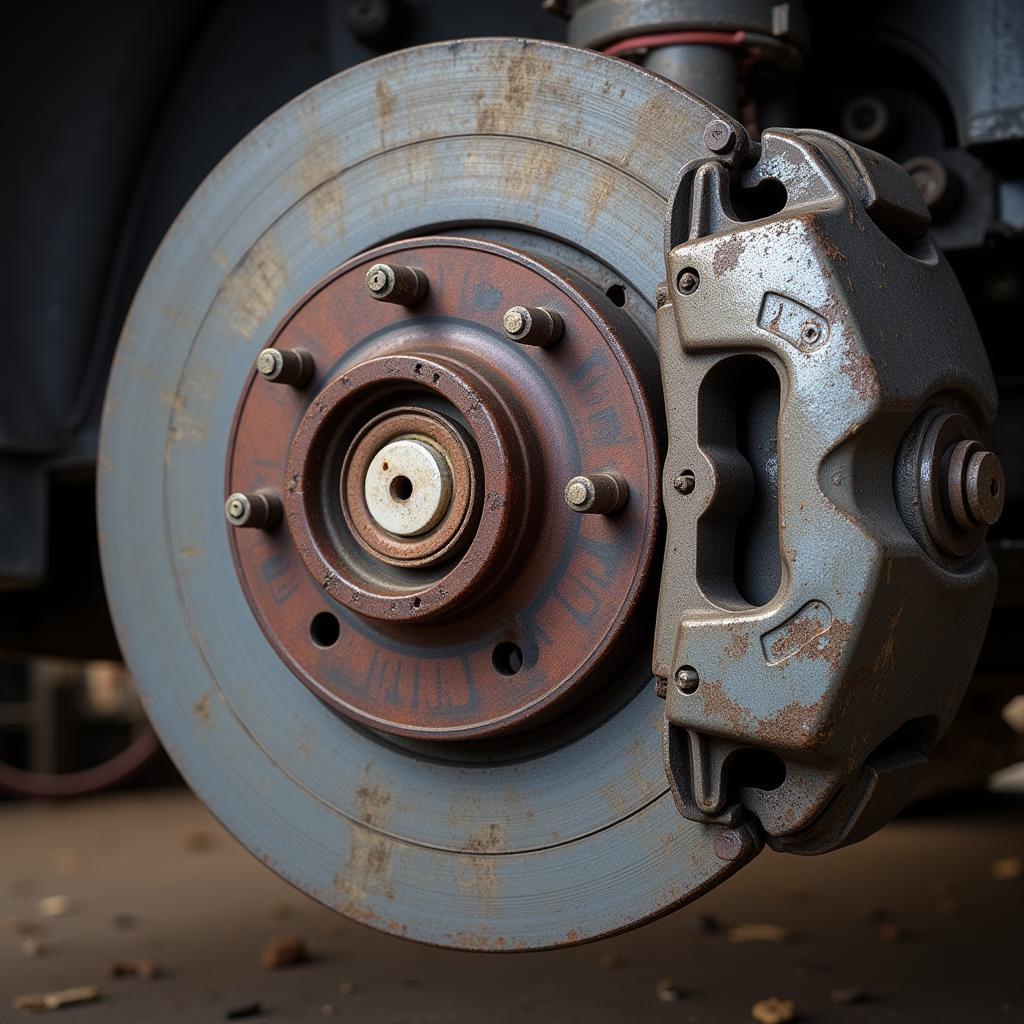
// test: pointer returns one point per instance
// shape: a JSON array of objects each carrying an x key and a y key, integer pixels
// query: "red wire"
[{"x": 655, "y": 40}]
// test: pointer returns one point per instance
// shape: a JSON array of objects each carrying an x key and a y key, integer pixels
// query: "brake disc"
[{"x": 390, "y": 328}]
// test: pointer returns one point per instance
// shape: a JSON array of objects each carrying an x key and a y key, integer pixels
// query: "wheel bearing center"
[{"x": 408, "y": 487}]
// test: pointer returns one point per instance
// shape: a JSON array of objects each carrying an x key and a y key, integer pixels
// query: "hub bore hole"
[
  {"x": 617, "y": 294},
  {"x": 401, "y": 488},
  {"x": 325, "y": 629},
  {"x": 507, "y": 658}
]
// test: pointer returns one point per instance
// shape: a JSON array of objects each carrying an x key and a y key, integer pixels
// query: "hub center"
[{"x": 408, "y": 487}]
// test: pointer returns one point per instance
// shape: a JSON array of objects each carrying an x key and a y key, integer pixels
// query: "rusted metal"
[
  {"x": 506, "y": 422},
  {"x": 601, "y": 493},
  {"x": 404, "y": 286},
  {"x": 258, "y": 510},
  {"x": 285, "y": 366},
  {"x": 532, "y": 325}
]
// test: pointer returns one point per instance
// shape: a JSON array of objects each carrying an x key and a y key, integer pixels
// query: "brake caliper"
[{"x": 826, "y": 586}]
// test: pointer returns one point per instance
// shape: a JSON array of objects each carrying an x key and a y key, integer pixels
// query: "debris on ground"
[
  {"x": 758, "y": 933},
  {"x": 19, "y": 926},
  {"x": 1007, "y": 869},
  {"x": 197, "y": 839},
  {"x": 705, "y": 924},
  {"x": 64, "y": 861},
  {"x": 346, "y": 988},
  {"x": 135, "y": 969},
  {"x": 892, "y": 933},
  {"x": 284, "y": 951},
  {"x": 32, "y": 948},
  {"x": 243, "y": 1011},
  {"x": 666, "y": 991},
  {"x": 57, "y": 1000},
  {"x": 773, "y": 1011},
  {"x": 54, "y": 906},
  {"x": 124, "y": 921},
  {"x": 326, "y": 1010},
  {"x": 849, "y": 996},
  {"x": 610, "y": 961}
]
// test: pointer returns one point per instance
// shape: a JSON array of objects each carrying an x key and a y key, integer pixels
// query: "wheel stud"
[
  {"x": 404, "y": 286},
  {"x": 598, "y": 494},
  {"x": 285, "y": 366},
  {"x": 257, "y": 510},
  {"x": 532, "y": 325}
]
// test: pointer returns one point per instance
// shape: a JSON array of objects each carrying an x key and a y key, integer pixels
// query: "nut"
[{"x": 532, "y": 325}]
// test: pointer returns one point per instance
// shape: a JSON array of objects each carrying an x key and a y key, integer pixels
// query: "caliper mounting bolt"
[
  {"x": 687, "y": 679},
  {"x": 285, "y": 366},
  {"x": 719, "y": 137},
  {"x": 687, "y": 281},
  {"x": 532, "y": 325},
  {"x": 404, "y": 286},
  {"x": 256, "y": 510},
  {"x": 685, "y": 482},
  {"x": 598, "y": 493},
  {"x": 731, "y": 843},
  {"x": 976, "y": 485}
]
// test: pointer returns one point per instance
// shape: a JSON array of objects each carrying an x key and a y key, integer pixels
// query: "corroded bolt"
[
  {"x": 599, "y": 493},
  {"x": 285, "y": 366},
  {"x": 532, "y": 325},
  {"x": 687, "y": 281},
  {"x": 719, "y": 137},
  {"x": 975, "y": 485},
  {"x": 731, "y": 843},
  {"x": 257, "y": 510},
  {"x": 685, "y": 482},
  {"x": 687, "y": 679},
  {"x": 404, "y": 286}
]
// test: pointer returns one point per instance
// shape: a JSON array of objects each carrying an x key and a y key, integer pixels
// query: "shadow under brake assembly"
[{"x": 523, "y": 496}]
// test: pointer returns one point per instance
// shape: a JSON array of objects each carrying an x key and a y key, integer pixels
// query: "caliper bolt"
[
  {"x": 599, "y": 493},
  {"x": 404, "y": 286},
  {"x": 257, "y": 510},
  {"x": 976, "y": 485},
  {"x": 532, "y": 325},
  {"x": 285, "y": 366},
  {"x": 731, "y": 843},
  {"x": 687, "y": 679},
  {"x": 685, "y": 482},
  {"x": 719, "y": 137},
  {"x": 687, "y": 281}
]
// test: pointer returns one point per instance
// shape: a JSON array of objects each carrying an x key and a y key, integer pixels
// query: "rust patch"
[
  {"x": 799, "y": 630},
  {"x": 831, "y": 250},
  {"x": 859, "y": 367},
  {"x": 373, "y": 804},
  {"x": 884, "y": 661},
  {"x": 719, "y": 705},
  {"x": 201, "y": 709},
  {"x": 490, "y": 839},
  {"x": 738, "y": 646},
  {"x": 727, "y": 254},
  {"x": 253, "y": 289}
]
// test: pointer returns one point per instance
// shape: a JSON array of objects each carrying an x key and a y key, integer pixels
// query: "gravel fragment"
[
  {"x": 56, "y": 1000},
  {"x": 666, "y": 991},
  {"x": 758, "y": 933},
  {"x": 54, "y": 906},
  {"x": 135, "y": 969},
  {"x": 32, "y": 948},
  {"x": 197, "y": 839},
  {"x": 284, "y": 951},
  {"x": 773, "y": 1011},
  {"x": 19, "y": 926}
]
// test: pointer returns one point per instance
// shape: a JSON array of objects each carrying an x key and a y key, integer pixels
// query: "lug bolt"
[
  {"x": 532, "y": 325},
  {"x": 404, "y": 286},
  {"x": 687, "y": 679},
  {"x": 599, "y": 493},
  {"x": 257, "y": 510},
  {"x": 719, "y": 137},
  {"x": 685, "y": 482},
  {"x": 285, "y": 366},
  {"x": 687, "y": 281},
  {"x": 731, "y": 843}
]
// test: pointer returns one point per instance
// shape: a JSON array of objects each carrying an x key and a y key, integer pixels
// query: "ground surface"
[{"x": 204, "y": 909}]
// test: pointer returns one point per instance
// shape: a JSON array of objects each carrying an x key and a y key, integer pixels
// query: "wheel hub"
[{"x": 422, "y": 472}]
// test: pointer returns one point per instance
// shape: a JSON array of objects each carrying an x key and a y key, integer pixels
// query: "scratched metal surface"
[{"x": 571, "y": 844}]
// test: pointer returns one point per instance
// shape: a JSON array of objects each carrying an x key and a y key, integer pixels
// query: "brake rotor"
[{"x": 437, "y": 718}]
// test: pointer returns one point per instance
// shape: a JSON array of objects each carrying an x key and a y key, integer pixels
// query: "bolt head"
[
  {"x": 515, "y": 321},
  {"x": 729, "y": 844},
  {"x": 685, "y": 482},
  {"x": 687, "y": 679},
  {"x": 986, "y": 487},
  {"x": 687, "y": 281},
  {"x": 378, "y": 278},
  {"x": 719, "y": 137},
  {"x": 269, "y": 362},
  {"x": 237, "y": 508}
]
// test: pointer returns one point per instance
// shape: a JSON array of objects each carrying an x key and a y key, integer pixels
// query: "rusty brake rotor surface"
[{"x": 406, "y": 329}]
